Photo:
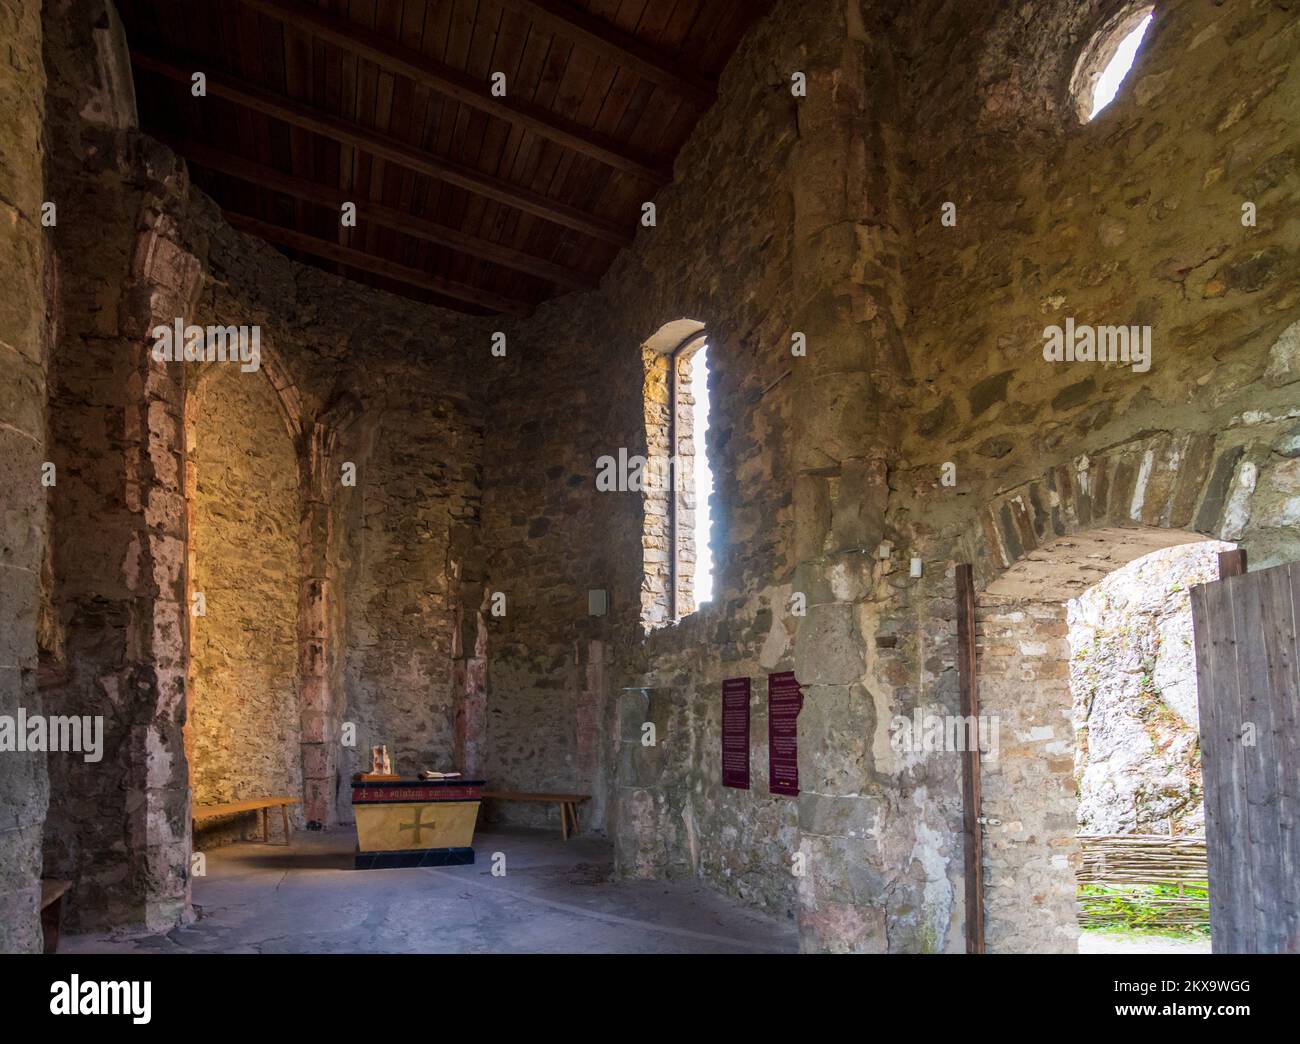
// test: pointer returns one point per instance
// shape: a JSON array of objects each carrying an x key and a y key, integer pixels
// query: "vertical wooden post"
[
  {"x": 1232, "y": 563},
  {"x": 970, "y": 772}
]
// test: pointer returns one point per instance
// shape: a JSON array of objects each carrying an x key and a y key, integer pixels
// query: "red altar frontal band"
[{"x": 420, "y": 790}]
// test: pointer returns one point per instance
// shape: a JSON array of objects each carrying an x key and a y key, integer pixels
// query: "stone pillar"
[
  {"x": 317, "y": 674},
  {"x": 158, "y": 837},
  {"x": 644, "y": 836},
  {"x": 592, "y": 767},
  {"x": 843, "y": 439},
  {"x": 469, "y": 681},
  {"x": 24, "y": 356},
  {"x": 120, "y": 827},
  {"x": 467, "y": 585}
]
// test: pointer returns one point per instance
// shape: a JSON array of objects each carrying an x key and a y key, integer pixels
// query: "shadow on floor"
[
  {"x": 546, "y": 896},
  {"x": 252, "y": 857}
]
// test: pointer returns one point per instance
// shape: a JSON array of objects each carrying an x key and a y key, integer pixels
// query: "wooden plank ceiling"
[{"x": 474, "y": 202}]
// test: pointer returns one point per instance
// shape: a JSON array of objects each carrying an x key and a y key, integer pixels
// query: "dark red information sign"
[
  {"x": 784, "y": 701},
  {"x": 735, "y": 733}
]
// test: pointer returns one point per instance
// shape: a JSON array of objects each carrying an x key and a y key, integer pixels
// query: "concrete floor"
[
  {"x": 1130, "y": 942},
  {"x": 556, "y": 897}
]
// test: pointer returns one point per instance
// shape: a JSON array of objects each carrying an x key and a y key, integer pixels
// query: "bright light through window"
[
  {"x": 703, "y": 476},
  {"x": 1118, "y": 68}
]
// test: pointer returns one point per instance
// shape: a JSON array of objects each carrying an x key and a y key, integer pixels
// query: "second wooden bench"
[
  {"x": 263, "y": 805},
  {"x": 568, "y": 805}
]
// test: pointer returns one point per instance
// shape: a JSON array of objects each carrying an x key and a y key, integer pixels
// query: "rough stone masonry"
[{"x": 915, "y": 217}]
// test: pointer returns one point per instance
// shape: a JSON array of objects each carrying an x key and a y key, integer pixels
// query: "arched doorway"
[
  {"x": 1030, "y": 784},
  {"x": 1039, "y": 544}
]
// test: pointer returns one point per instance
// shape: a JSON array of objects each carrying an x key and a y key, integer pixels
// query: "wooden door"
[{"x": 1248, "y": 692}]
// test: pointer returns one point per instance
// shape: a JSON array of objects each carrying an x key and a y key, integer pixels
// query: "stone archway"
[
  {"x": 1033, "y": 548},
  {"x": 315, "y": 442},
  {"x": 1198, "y": 483},
  {"x": 119, "y": 829},
  {"x": 1029, "y": 790}
]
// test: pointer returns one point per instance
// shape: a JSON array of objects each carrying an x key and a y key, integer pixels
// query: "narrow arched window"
[{"x": 678, "y": 561}]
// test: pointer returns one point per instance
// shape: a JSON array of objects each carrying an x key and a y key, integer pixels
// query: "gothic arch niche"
[{"x": 243, "y": 489}]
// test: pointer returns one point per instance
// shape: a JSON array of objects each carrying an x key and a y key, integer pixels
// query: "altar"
[{"x": 403, "y": 823}]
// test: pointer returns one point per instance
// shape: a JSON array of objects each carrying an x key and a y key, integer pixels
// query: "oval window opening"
[
  {"x": 1118, "y": 68},
  {"x": 1107, "y": 60}
]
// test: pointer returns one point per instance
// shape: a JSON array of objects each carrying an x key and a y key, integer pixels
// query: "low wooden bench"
[
  {"x": 52, "y": 911},
  {"x": 263, "y": 805},
  {"x": 568, "y": 805}
]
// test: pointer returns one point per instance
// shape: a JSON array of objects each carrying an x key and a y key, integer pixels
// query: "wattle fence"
[{"x": 1145, "y": 880}]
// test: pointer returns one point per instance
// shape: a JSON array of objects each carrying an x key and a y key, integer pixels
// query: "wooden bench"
[
  {"x": 568, "y": 805},
  {"x": 52, "y": 911},
  {"x": 263, "y": 805}
]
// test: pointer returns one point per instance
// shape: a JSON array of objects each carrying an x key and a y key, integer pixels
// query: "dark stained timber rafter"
[
  {"x": 593, "y": 34},
  {"x": 521, "y": 138},
  {"x": 445, "y": 80},
  {"x": 384, "y": 146},
  {"x": 379, "y": 266},
  {"x": 389, "y": 217}
]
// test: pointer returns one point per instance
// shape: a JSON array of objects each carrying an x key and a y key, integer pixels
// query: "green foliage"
[{"x": 1146, "y": 907}]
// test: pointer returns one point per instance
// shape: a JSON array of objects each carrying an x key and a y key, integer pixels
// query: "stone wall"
[
  {"x": 389, "y": 445},
  {"x": 359, "y": 378},
  {"x": 118, "y": 828},
  {"x": 412, "y": 560},
  {"x": 388, "y": 430},
  {"x": 817, "y": 214},
  {"x": 1031, "y": 856},
  {"x": 925, "y": 348},
  {"x": 572, "y": 389},
  {"x": 24, "y": 359},
  {"x": 1133, "y": 218},
  {"x": 243, "y": 727}
]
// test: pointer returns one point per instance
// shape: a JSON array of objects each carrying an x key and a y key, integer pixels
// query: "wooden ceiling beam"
[
  {"x": 595, "y": 34},
  {"x": 385, "y": 146},
  {"x": 389, "y": 217},
  {"x": 359, "y": 259},
  {"x": 405, "y": 61}
]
